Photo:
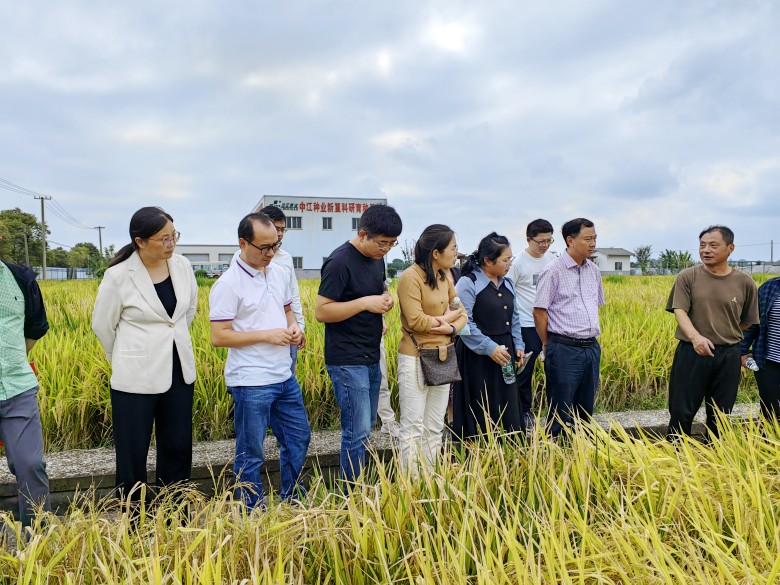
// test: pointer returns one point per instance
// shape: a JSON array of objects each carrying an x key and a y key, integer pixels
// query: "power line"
[
  {"x": 55, "y": 207},
  {"x": 61, "y": 245}
]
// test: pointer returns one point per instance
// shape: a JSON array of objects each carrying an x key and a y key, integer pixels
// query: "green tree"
[
  {"x": 675, "y": 260},
  {"x": 78, "y": 257},
  {"x": 18, "y": 224},
  {"x": 643, "y": 254},
  {"x": 85, "y": 255},
  {"x": 5, "y": 243},
  {"x": 57, "y": 257}
]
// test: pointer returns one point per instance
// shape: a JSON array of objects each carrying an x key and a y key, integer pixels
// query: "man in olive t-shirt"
[{"x": 713, "y": 304}]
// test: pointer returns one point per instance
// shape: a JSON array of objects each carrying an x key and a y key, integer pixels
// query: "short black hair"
[
  {"x": 574, "y": 226},
  {"x": 246, "y": 229},
  {"x": 380, "y": 220},
  {"x": 538, "y": 226},
  {"x": 274, "y": 213},
  {"x": 728, "y": 235}
]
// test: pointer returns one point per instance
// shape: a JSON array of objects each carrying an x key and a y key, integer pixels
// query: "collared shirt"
[
  {"x": 16, "y": 375},
  {"x": 283, "y": 258},
  {"x": 756, "y": 338},
  {"x": 254, "y": 300},
  {"x": 572, "y": 295},
  {"x": 468, "y": 291}
]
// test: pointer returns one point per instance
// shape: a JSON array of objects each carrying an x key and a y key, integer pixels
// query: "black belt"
[{"x": 573, "y": 341}]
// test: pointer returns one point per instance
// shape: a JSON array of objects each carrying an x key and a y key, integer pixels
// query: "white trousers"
[
  {"x": 422, "y": 415},
  {"x": 385, "y": 410}
]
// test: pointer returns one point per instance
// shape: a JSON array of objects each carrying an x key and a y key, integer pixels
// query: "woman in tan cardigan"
[{"x": 425, "y": 294}]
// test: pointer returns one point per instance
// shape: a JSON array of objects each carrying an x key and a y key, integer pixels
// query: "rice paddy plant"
[
  {"x": 637, "y": 346},
  {"x": 600, "y": 508}
]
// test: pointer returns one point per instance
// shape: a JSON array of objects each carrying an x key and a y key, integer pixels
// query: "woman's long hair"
[
  {"x": 490, "y": 247},
  {"x": 434, "y": 237},
  {"x": 145, "y": 222}
]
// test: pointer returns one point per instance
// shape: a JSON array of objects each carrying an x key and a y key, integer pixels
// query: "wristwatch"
[{"x": 453, "y": 328}]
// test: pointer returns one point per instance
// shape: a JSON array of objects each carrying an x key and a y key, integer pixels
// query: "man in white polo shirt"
[
  {"x": 284, "y": 259},
  {"x": 251, "y": 315}
]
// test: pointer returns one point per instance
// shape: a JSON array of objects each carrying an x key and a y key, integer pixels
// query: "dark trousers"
[
  {"x": 768, "y": 380},
  {"x": 695, "y": 378},
  {"x": 20, "y": 431},
  {"x": 525, "y": 378},
  {"x": 572, "y": 378},
  {"x": 133, "y": 416}
]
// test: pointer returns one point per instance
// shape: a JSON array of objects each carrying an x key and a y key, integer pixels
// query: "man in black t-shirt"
[{"x": 351, "y": 301}]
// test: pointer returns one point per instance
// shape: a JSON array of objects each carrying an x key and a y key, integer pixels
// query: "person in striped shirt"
[
  {"x": 566, "y": 315},
  {"x": 762, "y": 343}
]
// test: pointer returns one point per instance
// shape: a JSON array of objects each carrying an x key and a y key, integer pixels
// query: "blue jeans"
[
  {"x": 572, "y": 378},
  {"x": 357, "y": 392},
  {"x": 257, "y": 407}
]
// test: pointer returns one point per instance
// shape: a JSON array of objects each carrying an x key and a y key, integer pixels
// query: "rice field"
[
  {"x": 600, "y": 508},
  {"x": 637, "y": 346}
]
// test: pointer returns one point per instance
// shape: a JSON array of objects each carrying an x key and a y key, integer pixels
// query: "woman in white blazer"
[{"x": 144, "y": 307}]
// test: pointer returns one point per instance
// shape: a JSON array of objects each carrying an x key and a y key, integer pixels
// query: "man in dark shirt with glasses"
[{"x": 351, "y": 301}]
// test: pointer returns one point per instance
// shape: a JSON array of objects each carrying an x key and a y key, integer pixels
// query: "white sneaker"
[{"x": 392, "y": 428}]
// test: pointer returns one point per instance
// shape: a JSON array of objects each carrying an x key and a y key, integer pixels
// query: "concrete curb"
[{"x": 212, "y": 462}]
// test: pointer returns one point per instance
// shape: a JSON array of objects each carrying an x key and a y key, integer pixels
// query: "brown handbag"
[{"x": 439, "y": 364}]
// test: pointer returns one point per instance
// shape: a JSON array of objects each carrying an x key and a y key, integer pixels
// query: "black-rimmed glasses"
[
  {"x": 265, "y": 249},
  {"x": 385, "y": 245}
]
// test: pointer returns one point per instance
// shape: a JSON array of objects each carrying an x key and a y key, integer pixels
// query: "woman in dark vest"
[{"x": 483, "y": 400}]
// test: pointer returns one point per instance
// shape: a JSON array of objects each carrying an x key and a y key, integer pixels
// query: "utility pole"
[
  {"x": 772, "y": 251},
  {"x": 43, "y": 198},
  {"x": 100, "y": 229}
]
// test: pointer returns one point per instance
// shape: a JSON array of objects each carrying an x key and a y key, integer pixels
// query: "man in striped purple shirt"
[{"x": 566, "y": 316}]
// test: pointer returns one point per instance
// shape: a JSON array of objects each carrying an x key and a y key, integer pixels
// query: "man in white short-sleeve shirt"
[
  {"x": 250, "y": 314},
  {"x": 282, "y": 258},
  {"x": 524, "y": 273}
]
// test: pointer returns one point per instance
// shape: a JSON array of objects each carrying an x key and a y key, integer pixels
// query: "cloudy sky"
[{"x": 653, "y": 119}]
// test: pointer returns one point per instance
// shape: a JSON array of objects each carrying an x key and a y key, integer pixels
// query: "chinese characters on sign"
[{"x": 323, "y": 207}]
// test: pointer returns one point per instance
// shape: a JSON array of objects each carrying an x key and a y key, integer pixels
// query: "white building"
[
  {"x": 612, "y": 260},
  {"x": 315, "y": 227},
  {"x": 213, "y": 258}
]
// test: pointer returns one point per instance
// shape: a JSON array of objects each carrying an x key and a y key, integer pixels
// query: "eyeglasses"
[
  {"x": 168, "y": 240},
  {"x": 508, "y": 260},
  {"x": 265, "y": 249},
  {"x": 280, "y": 229},
  {"x": 544, "y": 242},
  {"x": 385, "y": 245}
]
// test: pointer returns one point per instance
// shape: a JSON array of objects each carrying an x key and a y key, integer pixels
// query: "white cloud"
[{"x": 652, "y": 119}]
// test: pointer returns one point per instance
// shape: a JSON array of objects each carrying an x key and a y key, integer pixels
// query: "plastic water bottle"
[
  {"x": 455, "y": 305},
  {"x": 508, "y": 370},
  {"x": 751, "y": 364}
]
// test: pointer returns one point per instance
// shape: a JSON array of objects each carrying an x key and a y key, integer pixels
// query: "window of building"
[
  {"x": 355, "y": 222},
  {"x": 618, "y": 266},
  {"x": 327, "y": 223},
  {"x": 225, "y": 257},
  {"x": 294, "y": 222},
  {"x": 193, "y": 258},
  {"x": 298, "y": 261}
]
